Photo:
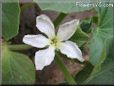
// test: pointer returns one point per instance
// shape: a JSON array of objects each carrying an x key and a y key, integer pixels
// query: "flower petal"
[
  {"x": 66, "y": 30},
  {"x": 45, "y": 25},
  {"x": 38, "y": 41},
  {"x": 71, "y": 50},
  {"x": 44, "y": 57}
]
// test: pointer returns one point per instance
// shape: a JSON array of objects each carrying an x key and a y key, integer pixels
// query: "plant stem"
[
  {"x": 59, "y": 19},
  {"x": 66, "y": 73},
  {"x": 59, "y": 62},
  {"x": 19, "y": 47}
]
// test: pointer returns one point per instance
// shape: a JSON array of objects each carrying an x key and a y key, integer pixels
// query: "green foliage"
[
  {"x": 97, "y": 67},
  {"x": 79, "y": 37},
  {"x": 10, "y": 19},
  {"x": 102, "y": 32},
  {"x": 0, "y": 20},
  {"x": 101, "y": 73},
  {"x": 65, "y": 7},
  {"x": 16, "y": 68},
  {"x": 86, "y": 25},
  {"x": 106, "y": 74}
]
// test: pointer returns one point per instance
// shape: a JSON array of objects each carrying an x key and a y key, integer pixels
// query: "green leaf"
[
  {"x": 10, "y": 20},
  {"x": 90, "y": 71},
  {"x": 16, "y": 68},
  {"x": 0, "y": 20},
  {"x": 101, "y": 34},
  {"x": 79, "y": 37},
  {"x": 106, "y": 74},
  {"x": 96, "y": 47},
  {"x": 65, "y": 7},
  {"x": 98, "y": 51},
  {"x": 97, "y": 67},
  {"x": 103, "y": 76},
  {"x": 86, "y": 25}
]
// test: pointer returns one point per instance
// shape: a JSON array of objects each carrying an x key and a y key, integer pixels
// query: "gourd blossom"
[{"x": 53, "y": 41}]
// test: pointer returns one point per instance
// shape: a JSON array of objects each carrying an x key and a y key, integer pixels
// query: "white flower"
[{"x": 54, "y": 41}]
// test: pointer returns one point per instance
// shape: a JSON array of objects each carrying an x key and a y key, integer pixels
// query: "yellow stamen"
[{"x": 55, "y": 42}]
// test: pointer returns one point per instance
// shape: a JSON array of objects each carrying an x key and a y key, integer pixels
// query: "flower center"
[{"x": 54, "y": 42}]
